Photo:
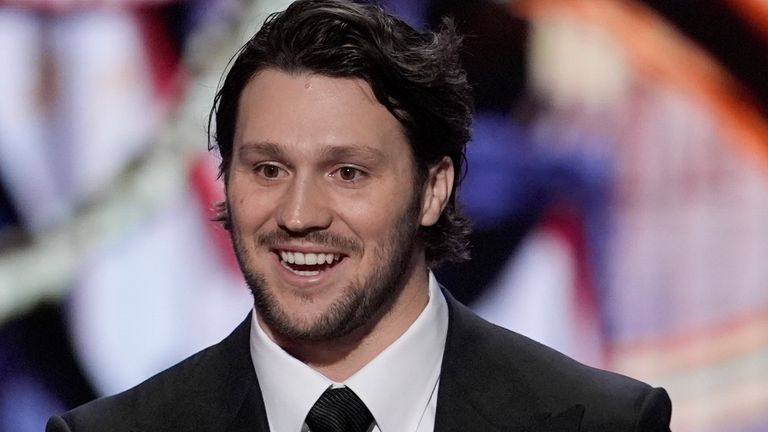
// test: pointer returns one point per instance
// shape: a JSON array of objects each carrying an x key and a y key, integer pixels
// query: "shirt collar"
[
  {"x": 289, "y": 387},
  {"x": 396, "y": 386}
]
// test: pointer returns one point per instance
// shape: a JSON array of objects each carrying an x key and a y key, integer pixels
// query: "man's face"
[{"x": 323, "y": 203}]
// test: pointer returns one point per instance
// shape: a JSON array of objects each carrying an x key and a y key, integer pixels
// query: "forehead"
[{"x": 312, "y": 112}]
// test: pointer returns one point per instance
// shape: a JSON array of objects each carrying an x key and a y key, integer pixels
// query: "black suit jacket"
[{"x": 491, "y": 380}]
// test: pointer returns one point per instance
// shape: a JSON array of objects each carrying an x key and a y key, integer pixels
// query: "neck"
[{"x": 341, "y": 358}]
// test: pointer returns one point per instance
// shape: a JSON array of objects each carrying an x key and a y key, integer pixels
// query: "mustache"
[{"x": 324, "y": 238}]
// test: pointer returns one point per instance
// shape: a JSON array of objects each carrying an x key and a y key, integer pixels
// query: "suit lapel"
[
  {"x": 568, "y": 420},
  {"x": 472, "y": 397},
  {"x": 459, "y": 406},
  {"x": 236, "y": 397},
  {"x": 251, "y": 416},
  {"x": 455, "y": 414}
]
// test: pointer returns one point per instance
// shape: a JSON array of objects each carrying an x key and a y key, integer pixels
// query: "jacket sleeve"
[
  {"x": 57, "y": 424},
  {"x": 655, "y": 413}
]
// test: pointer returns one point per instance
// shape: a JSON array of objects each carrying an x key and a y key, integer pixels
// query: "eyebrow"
[
  {"x": 328, "y": 152},
  {"x": 356, "y": 152},
  {"x": 265, "y": 148}
]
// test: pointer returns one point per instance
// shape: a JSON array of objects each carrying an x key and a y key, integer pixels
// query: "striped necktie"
[{"x": 339, "y": 410}]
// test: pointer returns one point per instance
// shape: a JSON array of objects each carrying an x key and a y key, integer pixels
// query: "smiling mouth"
[{"x": 308, "y": 264}]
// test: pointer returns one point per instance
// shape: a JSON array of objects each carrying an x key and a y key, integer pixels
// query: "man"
[{"x": 342, "y": 134}]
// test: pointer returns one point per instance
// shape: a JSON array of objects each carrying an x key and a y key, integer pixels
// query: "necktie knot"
[{"x": 339, "y": 410}]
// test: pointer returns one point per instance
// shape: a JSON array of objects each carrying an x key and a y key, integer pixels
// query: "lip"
[{"x": 306, "y": 282}]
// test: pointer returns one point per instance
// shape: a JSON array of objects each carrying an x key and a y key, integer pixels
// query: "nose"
[{"x": 303, "y": 207}]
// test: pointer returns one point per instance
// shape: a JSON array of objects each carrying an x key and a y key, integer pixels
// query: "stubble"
[{"x": 361, "y": 302}]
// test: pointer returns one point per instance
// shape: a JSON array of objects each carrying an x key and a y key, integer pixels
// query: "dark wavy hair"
[{"x": 416, "y": 76}]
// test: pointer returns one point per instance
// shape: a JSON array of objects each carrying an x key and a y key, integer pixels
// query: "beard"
[{"x": 361, "y": 302}]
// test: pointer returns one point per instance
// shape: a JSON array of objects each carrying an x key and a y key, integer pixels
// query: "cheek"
[
  {"x": 372, "y": 216},
  {"x": 247, "y": 209}
]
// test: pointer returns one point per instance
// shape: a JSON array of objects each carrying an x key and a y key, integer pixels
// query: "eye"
[
  {"x": 270, "y": 171},
  {"x": 349, "y": 174}
]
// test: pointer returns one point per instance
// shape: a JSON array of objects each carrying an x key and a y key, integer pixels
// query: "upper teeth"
[{"x": 301, "y": 258}]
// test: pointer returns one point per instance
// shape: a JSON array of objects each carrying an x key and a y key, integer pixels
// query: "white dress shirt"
[{"x": 399, "y": 386}]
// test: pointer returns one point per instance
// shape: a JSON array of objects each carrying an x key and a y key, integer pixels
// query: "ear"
[{"x": 437, "y": 191}]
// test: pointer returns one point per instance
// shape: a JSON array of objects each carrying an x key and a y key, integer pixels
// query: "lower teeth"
[{"x": 306, "y": 273}]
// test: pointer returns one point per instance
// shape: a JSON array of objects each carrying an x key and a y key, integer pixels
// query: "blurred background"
[{"x": 618, "y": 185}]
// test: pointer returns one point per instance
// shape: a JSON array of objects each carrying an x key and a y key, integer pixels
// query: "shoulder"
[
  {"x": 159, "y": 397},
  {"x": 186, "y": 396},
  {"x": 540, "y": 379}
]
